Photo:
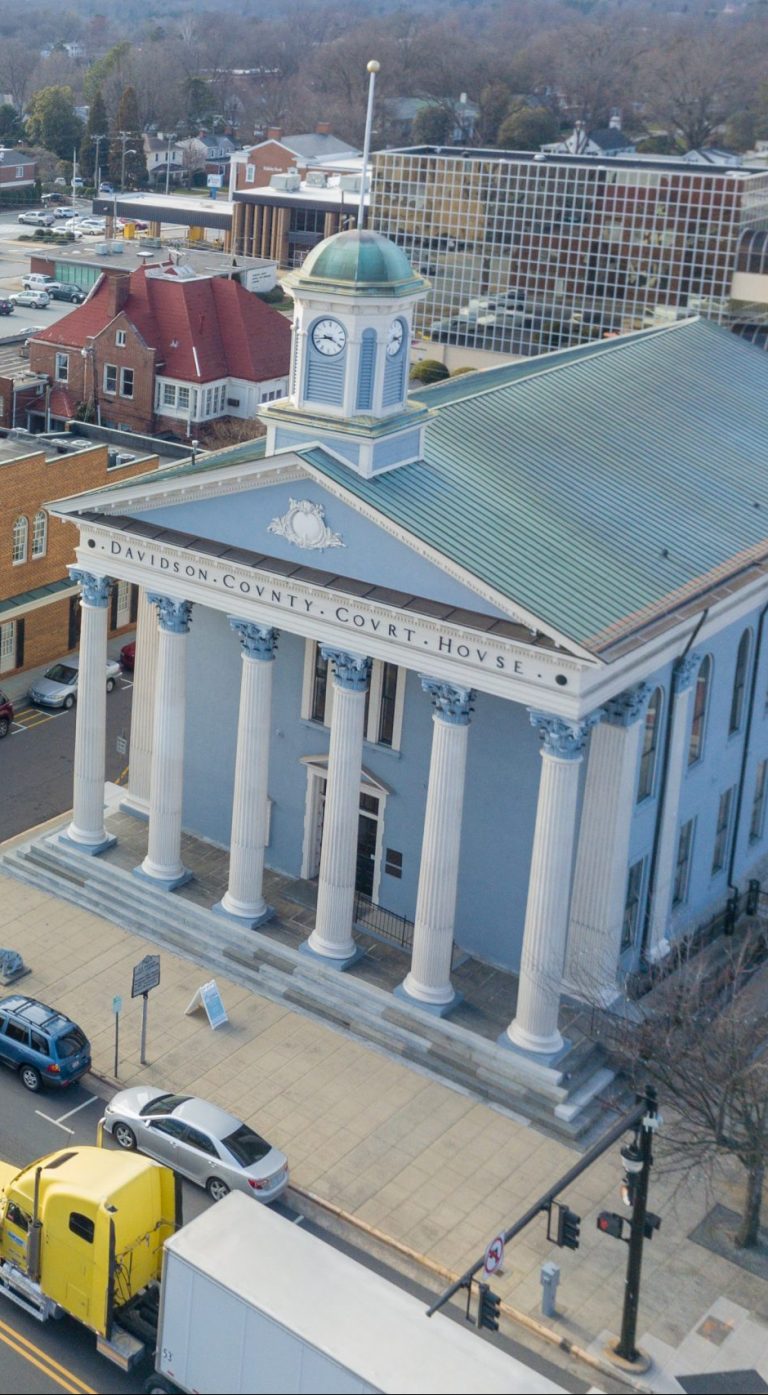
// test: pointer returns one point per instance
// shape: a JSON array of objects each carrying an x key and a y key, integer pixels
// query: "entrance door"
[
  {"x": 367, "y": 831},
  {"x": 7, "y": 646}
]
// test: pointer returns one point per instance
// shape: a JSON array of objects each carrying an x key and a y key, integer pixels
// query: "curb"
[{"x": 540, "y": 1329}]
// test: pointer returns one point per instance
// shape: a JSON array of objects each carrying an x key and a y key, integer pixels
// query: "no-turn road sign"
[{"x": 494, "y": 1256}]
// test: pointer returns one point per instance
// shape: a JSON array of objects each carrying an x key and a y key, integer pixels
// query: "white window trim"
[
  {"x": 374, "y": 704},
  {"x": 111, "y": 392},
  {"x": 250, "y": 174},
  {"x": 317, "y": 771},
  {"x": 19, "y": 561},
  {"x": 129, "y": 396},
  {"x": 120, "y": 338},
  {"x": 40, "y": 552},
  {"x": 62, "y": 362}
]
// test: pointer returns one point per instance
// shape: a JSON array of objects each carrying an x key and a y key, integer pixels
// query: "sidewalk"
[{"x": 428, "y": 1165}]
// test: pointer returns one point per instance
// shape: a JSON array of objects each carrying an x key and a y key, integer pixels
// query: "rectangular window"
[
  {"x": 393, "y": 863},
  {"x": 319, "y": 687},
  {"x": 110, "y": 378},
  {"x": 120, "y": 339},
  {"x": 631, "y": 921},
  {"x": 683, "y": 864},
  {"x": 250, "y": 174},
  {"x": 169, "y": 395},
  {"x": 208, "y": 402},
  {"x": 758, "y": 803},
  {"x": 182, "y": 399},
  {"x": 387, "y": 704},
  {"x": 722, "y": 831},
  {"x": 126, "y": 382},
  {"x": 62, "y": 368}
]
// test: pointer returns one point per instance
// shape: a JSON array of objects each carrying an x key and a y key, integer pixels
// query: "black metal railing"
[{"x": 382, "y": 924}]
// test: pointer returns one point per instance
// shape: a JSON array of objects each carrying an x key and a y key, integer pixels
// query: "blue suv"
[{"x": 43, "y": 1045}]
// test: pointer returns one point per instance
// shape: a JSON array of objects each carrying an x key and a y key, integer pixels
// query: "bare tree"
[
  {"x": 18, "y": 61},
  {"x": 696, "y": 85},
  {"x": 703, "y": 1040}
]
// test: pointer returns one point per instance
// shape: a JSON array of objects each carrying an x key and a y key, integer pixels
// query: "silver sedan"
[
  {"x": 199, "y": 1140},
  {"x": 58, "y": 685}
]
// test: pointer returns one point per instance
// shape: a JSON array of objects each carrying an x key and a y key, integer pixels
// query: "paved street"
[{"x": 37, "y": 754}]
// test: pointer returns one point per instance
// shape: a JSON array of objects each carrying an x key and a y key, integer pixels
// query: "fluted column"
[
  {"x": 661, "y": 891},
  {"x": 429, "y": 981},
  {"x": 535, "y": 1026},
  {"x": 142, "y": 709},
  {"x": 332, "y": 936},
  {"x": 600, "y": 878},
  {"x": 87, "y": 831},
  {"x": 162, "y": 864},
  {"x": 244, "y": 895}
]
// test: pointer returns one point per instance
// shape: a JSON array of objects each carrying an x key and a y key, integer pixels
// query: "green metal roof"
[
  {"x": 592, "y": 484},
  {"x": 359, "y": 262}
]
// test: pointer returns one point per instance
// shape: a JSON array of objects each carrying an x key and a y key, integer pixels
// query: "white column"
[
  {"x": 535, "y": 1026},
  {"x": 332, "y": 936},
  {"x": 87, "y": 829},
  {"x": 429, "y": 981},
  {"x": 600, "y": 878},
  {"x": 142, "y": 708},
  {"x": 677, "y": 764},
  {"x": 244, "y": 895},
  {"x": 162, "y": 864}
]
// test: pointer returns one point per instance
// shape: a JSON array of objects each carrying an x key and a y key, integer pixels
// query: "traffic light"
[
  {"x": 568, "y": 1229},
  {"x": 611, "y": 1224},
  {"x": 488, "y": 1308}
]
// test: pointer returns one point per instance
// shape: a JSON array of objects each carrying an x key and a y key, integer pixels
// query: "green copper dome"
[{"x": 358, "y": 263}]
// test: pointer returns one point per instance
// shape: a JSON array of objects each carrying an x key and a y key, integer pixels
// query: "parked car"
[
  {"x": 64, "y": 212},
  {"x": 6, "y": 714},
  {"x": 55, "y": 197},
  {"x": 6, "y": 307},
  {"x": 92, "y": 225},
  {"x": 138, "y": 223},
  {"x": 58, "y": 685},
  {"x": 128, "y": 655},
  {"x": 63, "y": 290},
  {"x": 43, "y": 1045},
  {"x": 38, "y": 299},
  {"x": 37, "y": 281},
  {"x": 199, "y": 1140},
  {"x": 37, "y": 219},
  {"x": 105, "y": 188}
]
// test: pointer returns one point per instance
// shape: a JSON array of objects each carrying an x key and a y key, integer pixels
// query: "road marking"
[
  {"x": 58, "y": 1374},
  {"x": 49, "y": 1120},
  {"x": 77, "y": 1108},
  {"x": 122, "y": 777}
]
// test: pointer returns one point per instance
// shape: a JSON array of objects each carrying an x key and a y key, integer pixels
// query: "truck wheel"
[
  {"x": 157, "y": 1386},
  {"x": 124, "y": 1136},
  {"x": 30, "y": 1077},
  {"x": 216, "y": 1189}
]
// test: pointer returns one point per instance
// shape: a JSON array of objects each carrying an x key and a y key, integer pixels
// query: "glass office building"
[{"x": 532, "y": 252}]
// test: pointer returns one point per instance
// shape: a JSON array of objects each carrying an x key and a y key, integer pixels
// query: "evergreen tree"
[
  {"x": 96, "y": 125},
  {"x": 52, "y": 121},
  {"x": 127, "y": 137}
]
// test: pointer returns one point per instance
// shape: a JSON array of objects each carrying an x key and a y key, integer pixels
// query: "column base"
[
  {"x": 345, "y": 962},
  {"x": 137, "y": 808},
  {"x": 163, "y": 883},
  {"x": 434, "y": 1009},
  {"x": 90, "y": 849},
  {"x": 546, "y": 1057},
  {"x": 246, "y": 922}
]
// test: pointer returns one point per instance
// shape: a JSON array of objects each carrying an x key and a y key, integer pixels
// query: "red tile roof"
[
  {"x": 202, "y": 329},
  {"x": 60, "y": 403}
]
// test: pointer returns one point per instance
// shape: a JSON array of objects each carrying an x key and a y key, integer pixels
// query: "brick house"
[
  {"x": 156, "y": 351},
  {"x": 279, "y": 154},
  {"x": 17, "y": 176},
  {"x": 39, "y": 604}
]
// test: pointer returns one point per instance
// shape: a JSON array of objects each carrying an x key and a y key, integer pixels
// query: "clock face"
[
  {"x": 394, "y": 337},
  {"x": 329, "y": 337}
]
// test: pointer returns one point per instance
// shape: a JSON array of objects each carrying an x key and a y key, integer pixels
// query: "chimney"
[
  {"x": 274, "y": 133},
  {"x": 118, "y": 290},
  {"x": 615, "y": 121},
  {"x": 323, "y": 128}
]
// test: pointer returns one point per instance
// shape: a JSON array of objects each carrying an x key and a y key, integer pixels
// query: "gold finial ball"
[{"x": 373, "y": 66}]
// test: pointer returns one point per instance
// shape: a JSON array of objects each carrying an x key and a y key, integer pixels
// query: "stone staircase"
[{"x": 572, "y": 1101}]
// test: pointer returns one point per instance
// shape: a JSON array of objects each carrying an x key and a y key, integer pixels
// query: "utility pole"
[
  {"x": 124, "y": 137},
  {"x": 638, "y": 1160},
  {"x": 97, "y": 141}
]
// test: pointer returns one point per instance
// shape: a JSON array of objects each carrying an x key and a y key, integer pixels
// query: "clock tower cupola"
[{"x": 354, "y": 297}]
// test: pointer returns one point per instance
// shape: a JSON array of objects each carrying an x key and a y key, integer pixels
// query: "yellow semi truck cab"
[{"x": 82, "y": 1232}]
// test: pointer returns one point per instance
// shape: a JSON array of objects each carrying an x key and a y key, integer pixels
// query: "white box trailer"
[{"x": 250, "y": 1303}]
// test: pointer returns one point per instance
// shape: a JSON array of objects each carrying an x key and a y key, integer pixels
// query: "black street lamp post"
[{"x": 638, "y": 1159}]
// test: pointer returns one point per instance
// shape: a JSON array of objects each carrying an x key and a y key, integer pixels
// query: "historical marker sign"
[{"x": 146, "y": 975}]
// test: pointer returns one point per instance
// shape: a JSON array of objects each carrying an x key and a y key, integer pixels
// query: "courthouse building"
[{"x": 491, "y": 658}]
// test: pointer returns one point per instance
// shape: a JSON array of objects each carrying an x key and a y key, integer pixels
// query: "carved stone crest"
[{"x": 304, "y": 525}]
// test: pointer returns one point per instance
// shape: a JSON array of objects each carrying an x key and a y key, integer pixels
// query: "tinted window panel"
[
  {"x": 246, "y": 1146},
  {"x": 164, "y": 1104},
  {"x": 72, "y": 1043}
]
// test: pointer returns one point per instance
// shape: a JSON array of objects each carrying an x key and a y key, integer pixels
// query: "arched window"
[
  {"x": 39, "y": 534},
  {"x": 650, "y": 745},
  {"x": 20, "y": 531},
  {"x": 700, "y": 699},
  {"x": 739, "y": 682}
]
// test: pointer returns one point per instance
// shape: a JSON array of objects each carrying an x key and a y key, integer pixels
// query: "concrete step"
[{"x": 566, "y": 1104}]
